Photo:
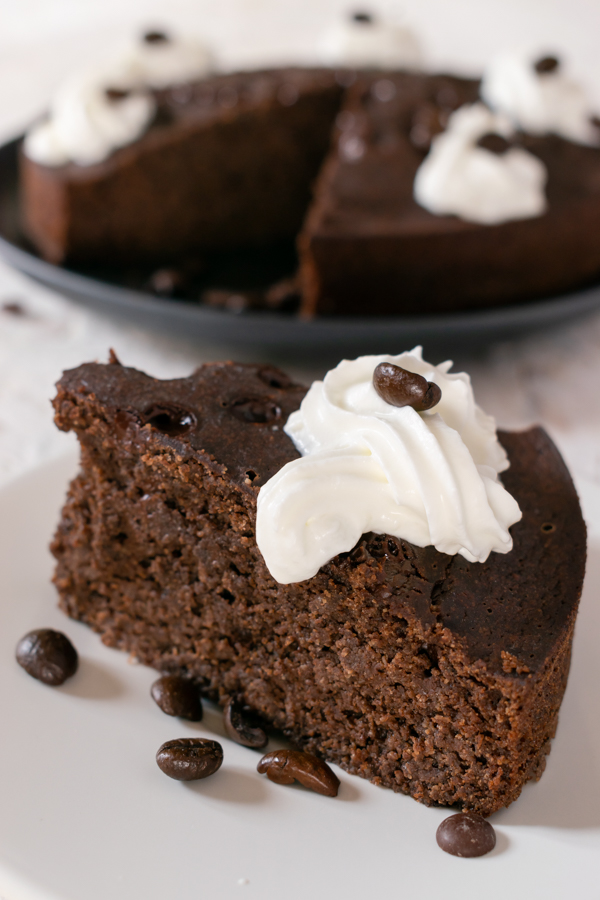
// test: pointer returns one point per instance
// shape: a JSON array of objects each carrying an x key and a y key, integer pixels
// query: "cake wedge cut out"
[{"x": 419, "y": 670}]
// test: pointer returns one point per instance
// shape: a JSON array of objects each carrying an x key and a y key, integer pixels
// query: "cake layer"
[
  {"x": 420, "y": 671},
  {"x": 366, "y": 240},
  {"x": 228, "y": 163}
]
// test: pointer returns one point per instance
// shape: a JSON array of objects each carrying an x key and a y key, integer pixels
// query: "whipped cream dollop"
[
  {"x": 539, "y": 102},
  {"x": 363, "y": 41},
  {"x": 425, "y": 477},
  {"x": 460, "y": 178},
  {"x": 111, "y": 105}
]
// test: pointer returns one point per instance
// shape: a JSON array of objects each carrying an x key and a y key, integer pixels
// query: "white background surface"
[{"x": 63, "y": 803}]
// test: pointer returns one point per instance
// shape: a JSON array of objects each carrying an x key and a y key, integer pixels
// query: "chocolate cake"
[
  {"x": 421, "y": 671},
  {"x": 365, "y": 236},
  {"x": 228, "y": 162}
]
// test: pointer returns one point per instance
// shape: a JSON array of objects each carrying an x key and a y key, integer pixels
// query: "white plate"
[{"x": 85, "y": 814}]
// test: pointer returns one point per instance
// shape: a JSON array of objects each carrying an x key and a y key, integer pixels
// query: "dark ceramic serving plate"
[{"x": 124, "y": 293}]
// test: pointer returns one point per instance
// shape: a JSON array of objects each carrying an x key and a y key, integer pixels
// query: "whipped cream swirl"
[
  {"x": 362, "y": 41},
  {"x": 457, "y": 177},
  {"x": 111, "y": 105},
  {"x": 426, "y": 477},
  {"x": 538, "y": 102}
]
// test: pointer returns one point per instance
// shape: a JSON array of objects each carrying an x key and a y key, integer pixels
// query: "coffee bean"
[
  {"x": 466, "y": 834},
  {"x": 363, "y": 18},
  {"x": 115, "y": 95},
  {"x": 239, "y": 726},
  {"x": 287, "y": 766},
  {"x": 189, "y": 759},
  {"x": 546, "y": 64},
  {"x": 493, "y": 142},
  {"x": 156, "y": 37},
  {"x": 177, "y": 696},
  {"x": 47, "y": 655},
  {"x": 399, "y": 387}
]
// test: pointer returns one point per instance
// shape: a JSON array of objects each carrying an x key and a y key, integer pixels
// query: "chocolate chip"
[
  {"x": 47, "y": 655},
  {"x": 546, "y": 64},
  {"x": 168, "y": 283},
  {"x": 363, "y": 18},
  {"x": 287, "y": 766},
  {"x": 273, "y": 377},
  {"x": 177, "y": 696},
  {"x": 427, "y": 121},
  {"x": 115, "y": 95},
  {"x": 254, "y": 409},
  {"x": 113, "y": 359},
  {"x": 493, "y": 142},
  {"x": 466, "y": 834},
  {"x": 169, "y": 419},
  {"x": 240, "y": 728},
  {"x": 399, "y": 387},
  {"x": 156, "y": 37},
  {"x": 189, "y": 759}
]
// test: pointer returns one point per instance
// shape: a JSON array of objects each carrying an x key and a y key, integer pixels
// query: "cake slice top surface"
[
  {"x": 230, "y": 414},
  {"x": 510, "y": 612}
]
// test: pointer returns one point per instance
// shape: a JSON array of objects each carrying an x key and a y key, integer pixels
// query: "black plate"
[{"x": 111, "y": 292}]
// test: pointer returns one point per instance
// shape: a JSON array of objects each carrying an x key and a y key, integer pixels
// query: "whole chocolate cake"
[{"x": 414, "y": 668}]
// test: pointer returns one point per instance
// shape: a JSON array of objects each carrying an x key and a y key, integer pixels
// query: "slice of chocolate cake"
[
  {"x": 416, "y": 669},
  {"x": 365, "y": 235},
  {"x": 227, "y": 162}
]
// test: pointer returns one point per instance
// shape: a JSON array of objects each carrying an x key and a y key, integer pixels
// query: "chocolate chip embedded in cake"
[{"x": 418, "y": 670}]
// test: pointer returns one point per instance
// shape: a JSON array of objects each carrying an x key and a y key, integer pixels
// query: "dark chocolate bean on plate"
[
  {"x": 156, "y": 37},
  {"x": 47, "y": 655},
  {"x": 177, "y": 696},
  {"x": 287, "y": 766},
  {"x": 241, "y": 728},
  {"x": 466, "y": 834},
  {"x": 189, "y": 759}
]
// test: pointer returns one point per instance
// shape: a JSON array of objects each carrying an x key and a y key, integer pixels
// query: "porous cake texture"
[{"x": 420, "y": 671}]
